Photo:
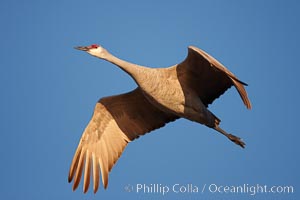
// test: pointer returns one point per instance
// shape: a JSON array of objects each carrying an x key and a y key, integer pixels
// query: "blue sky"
[{"x": 48, "y": 92}]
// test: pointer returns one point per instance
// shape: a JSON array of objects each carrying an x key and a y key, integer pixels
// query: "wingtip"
[
  {"x": 105, "y": 182},
  {"x": 247, "y": 102},
  {"x": 74, "y": 187},
  {"x": 69, "y": 179},
  {"x": 243, "y": 83},
  {"x": 249, "y": 106},
  {"x": 193, "y": 48},
  {"x": 95, "y": 190}
]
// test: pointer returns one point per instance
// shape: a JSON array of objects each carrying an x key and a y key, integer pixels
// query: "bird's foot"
[
  {"x": 236, "y": 140},
  {"x": 231, "y": 137}
]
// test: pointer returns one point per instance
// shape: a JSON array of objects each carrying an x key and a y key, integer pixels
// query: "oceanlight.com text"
[{"x": 249, "y": 189}]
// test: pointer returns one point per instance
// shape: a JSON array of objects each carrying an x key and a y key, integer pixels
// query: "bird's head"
[{"x": 94, "y": 50}]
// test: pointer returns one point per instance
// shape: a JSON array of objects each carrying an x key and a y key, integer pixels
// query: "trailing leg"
[{"x": 231, "y": 137}]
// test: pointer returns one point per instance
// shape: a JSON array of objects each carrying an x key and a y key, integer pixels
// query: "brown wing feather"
[
  {"x": 117, "y": 120},
  {"x": 208, "y": 77}
]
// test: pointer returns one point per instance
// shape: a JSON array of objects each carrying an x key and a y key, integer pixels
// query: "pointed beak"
[{"x": 82, "y": 48}]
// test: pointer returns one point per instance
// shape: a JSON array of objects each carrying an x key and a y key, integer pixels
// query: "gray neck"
[{"x": 135, "y": 71}]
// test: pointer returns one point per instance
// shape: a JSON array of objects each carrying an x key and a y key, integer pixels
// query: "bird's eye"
[{"x": 94, "y": 46}]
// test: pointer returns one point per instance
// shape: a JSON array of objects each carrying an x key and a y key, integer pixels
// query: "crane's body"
[
  {"x": 162, "y": 88},
  {"x": 169, "y": 95},
  {"x": 162, "y": 92},
  {"x": 163, "y": 95}
]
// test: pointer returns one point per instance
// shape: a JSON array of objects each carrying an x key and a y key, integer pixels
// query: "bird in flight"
[{"x": 163, "y": 95}]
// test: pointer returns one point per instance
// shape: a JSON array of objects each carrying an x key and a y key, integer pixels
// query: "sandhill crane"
[{"x": 163, "y": 95}]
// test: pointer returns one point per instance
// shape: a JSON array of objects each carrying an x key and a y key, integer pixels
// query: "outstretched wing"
[
  {"x": 207, "y": 77},
  {"x": 116, "y": 121}
]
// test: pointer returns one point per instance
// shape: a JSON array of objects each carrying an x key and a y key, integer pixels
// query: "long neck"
[{"x": 135, "y": 71}]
